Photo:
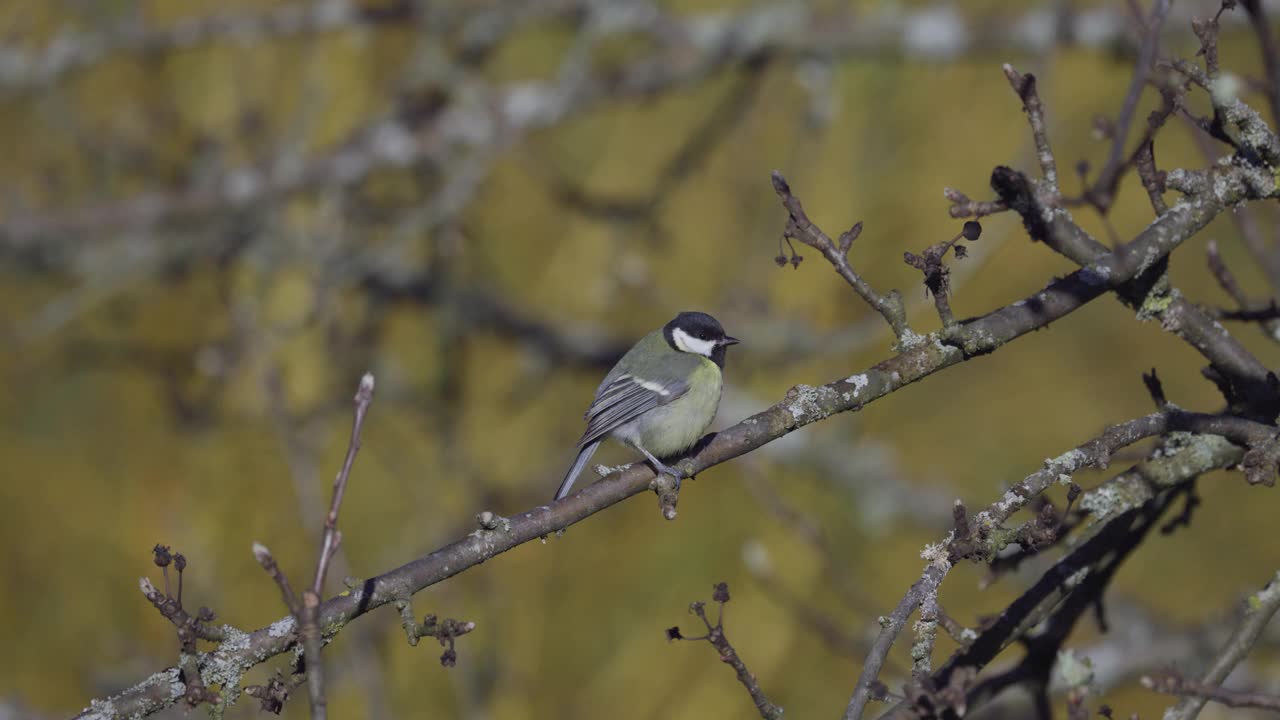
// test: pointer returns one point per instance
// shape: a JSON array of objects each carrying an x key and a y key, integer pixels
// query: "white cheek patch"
[{"x": 690, "y": 344}]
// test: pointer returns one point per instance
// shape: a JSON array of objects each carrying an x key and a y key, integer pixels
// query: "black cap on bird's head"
[{"x": 698, "y": 332}]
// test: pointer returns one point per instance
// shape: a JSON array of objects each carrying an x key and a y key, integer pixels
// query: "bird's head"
[{"x": 698, "y": 333}]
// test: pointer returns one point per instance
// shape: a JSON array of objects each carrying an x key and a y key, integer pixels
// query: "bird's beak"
[{"x": 730, "y": 340}]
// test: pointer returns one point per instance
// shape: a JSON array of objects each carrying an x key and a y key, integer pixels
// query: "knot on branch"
[
  {"x": 492, "y": 521},
  {"x": 1017, "y": 192},
  {"x": 444, "y": 631},
  {"x": 667, "y": 487},
  {"x": 1261, "y": 461},
  {"x": 929, "y": 700},
  {"x": 937, "y": 276},
  {"x": 272, "y": 696}
]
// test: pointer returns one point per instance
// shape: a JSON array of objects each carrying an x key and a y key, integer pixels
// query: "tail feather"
[{"x": 584, "y": 455}]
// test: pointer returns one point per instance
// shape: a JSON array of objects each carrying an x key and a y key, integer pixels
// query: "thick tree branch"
[
  {"x": 985, "y": 536},
  {"x": 1113, "y": 505}
]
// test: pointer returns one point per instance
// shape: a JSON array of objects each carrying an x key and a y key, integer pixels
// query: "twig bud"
[{"x": 262, "y": 554}]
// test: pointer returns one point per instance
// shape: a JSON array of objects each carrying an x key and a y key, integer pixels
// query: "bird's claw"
[{"x": 676, "y": 474}]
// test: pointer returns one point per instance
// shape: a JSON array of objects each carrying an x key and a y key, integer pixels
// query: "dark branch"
[{"x": 728, "y": 655}]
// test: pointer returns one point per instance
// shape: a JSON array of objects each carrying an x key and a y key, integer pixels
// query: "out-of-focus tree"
[{"x": 217, "y": 215}]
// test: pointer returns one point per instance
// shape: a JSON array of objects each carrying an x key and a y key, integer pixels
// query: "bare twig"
[
  {"x": 1259, "y": 609},
  {"x": 1102, "y": 194},
  {"x": 1269, "y": 51},
  {"x": 305, "y": 609},
  {"x": 444, "y": 631},
  {"x": 332, "y": 538},
  {"x": 1025, "y": 86},
  {"x": 268, "y": 563},
  {"x": 1175, "y": 684},
  {"x": 962, "y": 206},
  {"x": 728, "y": 655},
  {"x": 801, "y": 228},
  {"x": 308, "y": 621}
]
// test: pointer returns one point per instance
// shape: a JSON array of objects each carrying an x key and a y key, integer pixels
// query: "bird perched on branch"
[{"x": 661, "y": 396}]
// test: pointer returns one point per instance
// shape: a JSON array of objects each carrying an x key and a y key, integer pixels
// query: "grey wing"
[{"x": 625, "y": 399}]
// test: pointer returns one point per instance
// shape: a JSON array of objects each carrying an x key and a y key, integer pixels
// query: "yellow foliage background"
[{"x": 205, "y": 404}]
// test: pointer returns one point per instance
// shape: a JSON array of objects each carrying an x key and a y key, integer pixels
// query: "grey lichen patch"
[
  {"x": 806, "y": 403},
  {"x": 1185, "y": 455},
  {"x": 1008, "y": 503},
  {"x": 227, "y": 664},
  {"x": 946, "y": 351},
  {"x": 939, "y": 554},
  {"x": 908, "y": 340},
  {"x": 859, "y": 382},
  {"x": 1068, "y": 462},
  {"x": 606, "y": 470},
  {"x": 282, "y": 628},
  {"x": 976, "y": 341},
  {"x": 1188, "y": 182},
  {"x": 922, "y": 649},
  {"x": 1124, "y": 493},
  {"x": 169, "y": 680},
  {"x": 1230, "y": 187},
  {"x": 1254, "y": 132}
]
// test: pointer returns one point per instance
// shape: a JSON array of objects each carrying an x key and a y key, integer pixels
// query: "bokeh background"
[{"x": 214, "y": 216}]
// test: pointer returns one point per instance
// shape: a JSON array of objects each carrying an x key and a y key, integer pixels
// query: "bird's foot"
[
  {"x": 676, "y": 474},
  {"x": 667, "y": 486}
]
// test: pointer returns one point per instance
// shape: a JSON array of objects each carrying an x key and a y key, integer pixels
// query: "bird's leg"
[{"x": 662, "y": 468}]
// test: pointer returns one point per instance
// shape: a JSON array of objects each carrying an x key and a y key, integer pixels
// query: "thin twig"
[
  {"x": 1025, "y": 86},
  {"x": 308, "y": 621},
  {"x": 1259, "y": 610},
  {"x": 333, "y": 538},
  {"x": 728, "y": 655},
  {"x": 1269, "y": 51},
  {"x": 1104, "y": 189},
  {"x": 1174, "y": 684},
  {"x": 268, "y": 563},
  {"x": 801, "y": 228},
  {"x": 890, "y": 626}
]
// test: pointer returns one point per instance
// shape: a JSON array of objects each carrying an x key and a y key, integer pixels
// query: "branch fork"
[{"x": 800, "y": 227}]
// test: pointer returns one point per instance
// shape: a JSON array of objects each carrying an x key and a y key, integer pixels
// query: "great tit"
[{"x": 661, "y": 396}]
